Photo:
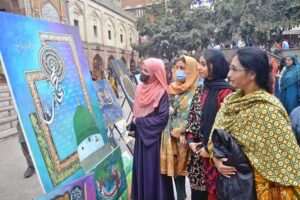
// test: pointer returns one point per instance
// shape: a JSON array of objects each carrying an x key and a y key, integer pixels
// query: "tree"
[
  {"x": 254, "y": 18},
  {"x": 178, "y": 27},
  {"x": 175, "y": 29}
]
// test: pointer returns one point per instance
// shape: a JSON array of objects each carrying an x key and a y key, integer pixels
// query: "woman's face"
[
  {"x": 180, "y": 65},
  {"x": 144, "y": 69},
  {"x": 238, "y": 77},
  {"x": 203, "y": 68},
  {"x": 288, "y": 61}
]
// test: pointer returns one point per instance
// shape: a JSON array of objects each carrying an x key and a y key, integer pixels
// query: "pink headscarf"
[{"x": 148, "y": 95}]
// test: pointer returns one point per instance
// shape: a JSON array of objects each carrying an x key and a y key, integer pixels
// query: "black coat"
[{"x": 241, "y": 185}]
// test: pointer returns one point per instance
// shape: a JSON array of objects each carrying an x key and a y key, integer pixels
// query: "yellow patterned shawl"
[{"x": 260, "y": 124}]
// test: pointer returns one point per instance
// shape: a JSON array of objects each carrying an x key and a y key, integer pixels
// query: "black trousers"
[{"x": 199, "y": 195}]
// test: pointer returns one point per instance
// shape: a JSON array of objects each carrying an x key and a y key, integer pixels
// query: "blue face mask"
[{"x": 180, "y": 76}]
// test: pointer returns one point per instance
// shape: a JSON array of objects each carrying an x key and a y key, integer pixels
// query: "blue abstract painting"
[
  {"x": 49, "y": 76},
  {"x": 108, "y": 102}
]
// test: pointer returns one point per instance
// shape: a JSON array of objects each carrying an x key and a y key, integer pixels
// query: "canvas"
[
  {"x": 108, "y": 102},
  {"x": 81, "y": 189},
  {"x": 48, "y": 76},
  {"x": 127, "y": 162},
  {"x": 124, "y": 80},
  {"x": 109, "y": 177}
]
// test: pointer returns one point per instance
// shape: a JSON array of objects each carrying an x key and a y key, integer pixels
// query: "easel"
[
  {"x": 120, "y": 132},
  {"x": 122, "y": 74}
]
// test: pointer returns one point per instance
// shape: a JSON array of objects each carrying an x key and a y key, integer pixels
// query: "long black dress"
[{"x": 147, "y": 181}]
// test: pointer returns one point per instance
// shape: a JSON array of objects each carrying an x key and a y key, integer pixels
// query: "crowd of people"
[{"x": 184, "y": 128}]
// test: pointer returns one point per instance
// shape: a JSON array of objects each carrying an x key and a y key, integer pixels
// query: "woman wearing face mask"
[
  {"x": 290, "y": 84},
  {"x": 258, "y": 122},
  {"x": 151, "y": 113},
  {"x": 206, "y": 102},
  {"x": 174, "y": 150}
]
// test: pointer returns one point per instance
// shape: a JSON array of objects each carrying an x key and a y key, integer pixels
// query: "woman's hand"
[
  {"x": 224, "y": 169},
  {"x": 193, "y": 146},
  {"x": 203, "y": 153},
  {"x": 176, "y": 132},
  {"x": 183, "y": 141}
]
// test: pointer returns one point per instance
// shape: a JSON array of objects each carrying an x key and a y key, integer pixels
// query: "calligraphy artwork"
[
  {"x": 124, "y": 80},
  {"x": 81, "y": 189},
  {"x": 109, "y": 177},
  {"x": 108, "y": 102},
  {"x": 48, "y": 76}
]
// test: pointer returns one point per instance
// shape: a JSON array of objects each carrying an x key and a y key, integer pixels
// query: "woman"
[
  {"x": 151, "y": 113},
  {"x": 281, "y": 65},
  {"x": 174, "y": 151},
  {"x": 260, "y": 125},
  {"x": 206, "y": 102},
  {"x": 275, "y": 76},
  {"x": 290, "y": 84},
  {"x": 111, "y": 79}
]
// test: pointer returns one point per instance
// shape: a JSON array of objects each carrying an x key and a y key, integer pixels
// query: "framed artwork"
[
  {"x": 124, "y": 80},
  {"x": 81, "y": 189},
  {"x": 127, "y": 162},
  {"x": 108, "y": 103},
  {"x": 109, "y": 177},
  {"x": 49, "y": 77}
]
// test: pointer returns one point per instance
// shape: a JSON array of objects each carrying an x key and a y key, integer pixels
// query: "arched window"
[
  {"x": 132, "y": 66},
  {"x": 49, "y": 13}
]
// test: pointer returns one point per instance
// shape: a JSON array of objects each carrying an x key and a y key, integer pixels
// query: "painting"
[
  {"x": 91, "y": 149},
  {"x": 108, "y": 103},
  {"x": 127, "y": 162},
  {"x": 124, "y": 80},
  {"x": 49, "y": 77},
  {"x": 109, "y": 177},
  {"x": 81, "y": 189}
]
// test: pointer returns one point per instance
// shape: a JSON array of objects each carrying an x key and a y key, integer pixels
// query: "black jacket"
[{"x": 241, "y": 185}]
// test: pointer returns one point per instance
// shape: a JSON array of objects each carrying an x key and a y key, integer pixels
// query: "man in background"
[{"x": 30, "y": 169}]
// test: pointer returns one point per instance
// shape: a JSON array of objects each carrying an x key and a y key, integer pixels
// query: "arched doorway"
[
  {"x": 124, "y": 61},
  {"x": 111, "y": 57},
  {"x": 132, "y": 66},
  {"x": 97, "y": 66},
  {"x": 112, "y": 76}
]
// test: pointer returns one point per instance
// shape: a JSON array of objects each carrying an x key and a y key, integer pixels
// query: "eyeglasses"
[{"x": 236, "y": 69}]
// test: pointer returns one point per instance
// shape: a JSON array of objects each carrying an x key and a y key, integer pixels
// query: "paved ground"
[{"x": 13, "y": 185}]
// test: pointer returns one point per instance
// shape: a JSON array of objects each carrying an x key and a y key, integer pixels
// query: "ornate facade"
[{"x": 106, "y": 30}]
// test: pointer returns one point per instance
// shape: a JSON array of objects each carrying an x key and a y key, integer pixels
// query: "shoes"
[{"x": 29, "y": 172}]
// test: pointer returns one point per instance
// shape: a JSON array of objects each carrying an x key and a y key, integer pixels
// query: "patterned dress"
[
  {"x": 260, "y": 124},
  {"x": 201, "y": 171},
  {"x": 174, "y": 157}
]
